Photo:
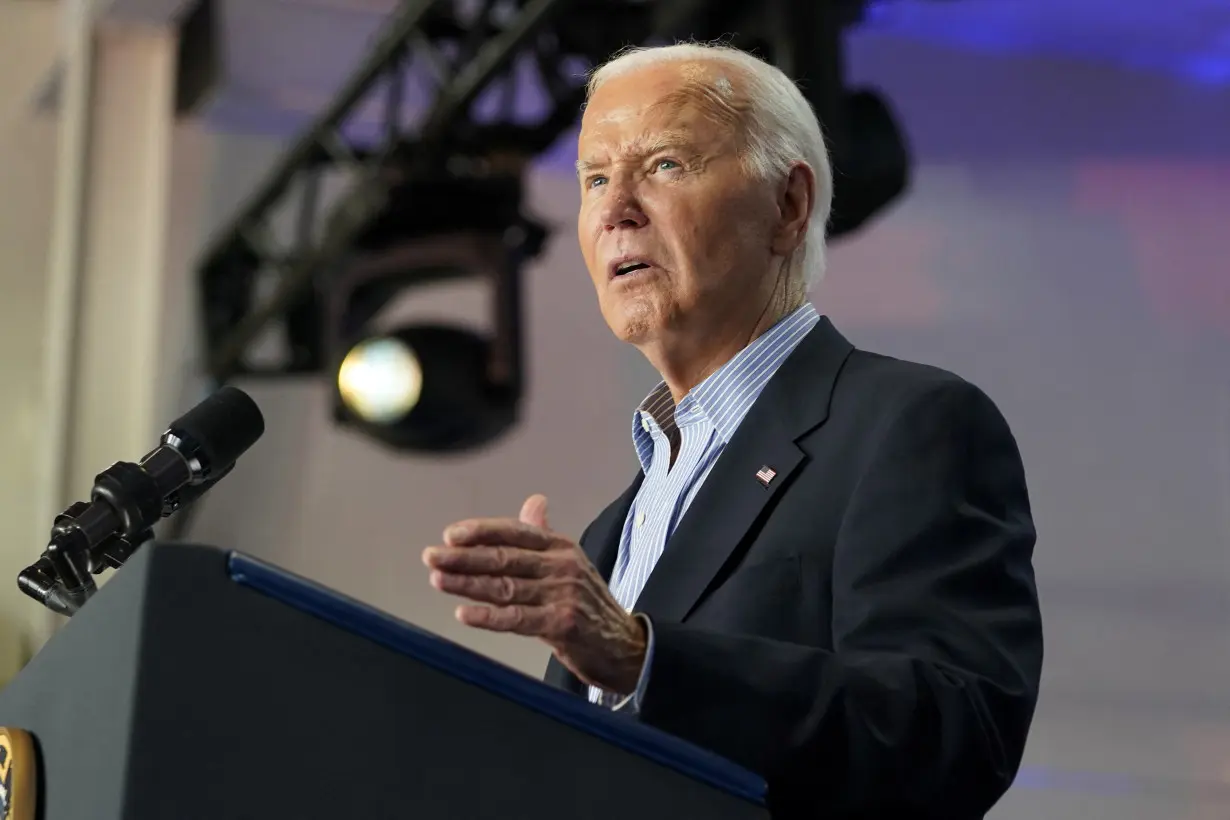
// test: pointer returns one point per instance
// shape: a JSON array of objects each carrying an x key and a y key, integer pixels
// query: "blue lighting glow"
[
  {"x": 1187, "y": 39},
  {"x": 1213, "y": 69}
]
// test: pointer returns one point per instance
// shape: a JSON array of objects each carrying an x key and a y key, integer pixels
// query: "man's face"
[{"x": 662, "y": 186}]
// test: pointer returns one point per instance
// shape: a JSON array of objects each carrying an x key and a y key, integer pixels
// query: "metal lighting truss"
[{"x": 466, "y": 54}]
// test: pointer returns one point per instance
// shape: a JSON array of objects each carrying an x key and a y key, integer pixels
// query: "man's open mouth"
[{"x": 625, "y": 268}]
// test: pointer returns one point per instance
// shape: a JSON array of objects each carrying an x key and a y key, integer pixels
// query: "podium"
[{"x": 201, "y": 683}]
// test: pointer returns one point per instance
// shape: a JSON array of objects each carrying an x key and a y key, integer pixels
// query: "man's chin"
[
  {"x": 634, "y": 329},
  {"x": 637, "y": 318}
]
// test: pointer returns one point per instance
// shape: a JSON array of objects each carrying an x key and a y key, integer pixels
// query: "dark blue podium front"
[
  {"x": 455, "y": 660},
  {"x": 204, "y": 683}
]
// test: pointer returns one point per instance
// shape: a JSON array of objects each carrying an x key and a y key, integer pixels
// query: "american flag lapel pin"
[{"x": 765, "y": 474}]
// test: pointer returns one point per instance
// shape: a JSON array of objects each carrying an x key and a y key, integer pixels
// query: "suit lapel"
[
  {"x": 733, "y": 499},
  {"x": 725, "y": 508},
  {"x": 601, "y": 542}
]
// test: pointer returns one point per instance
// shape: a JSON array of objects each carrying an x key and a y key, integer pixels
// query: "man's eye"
[
  {"x": 667, "y": 165},
  {"x": 594, "y": 181}
]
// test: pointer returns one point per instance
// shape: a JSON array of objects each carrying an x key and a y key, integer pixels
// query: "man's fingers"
[
  {"x": 533, "y": 621},
  {"x": 478, "y": 531},
  {"x": 534, "y": 511},
  {"x": 492, "y": 589},
  {"x": 483, "y": 560}
]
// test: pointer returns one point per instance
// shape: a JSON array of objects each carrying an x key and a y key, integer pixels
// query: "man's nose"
[{"x": 623, "y": 210}]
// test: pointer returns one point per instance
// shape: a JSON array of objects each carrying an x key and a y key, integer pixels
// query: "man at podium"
[{"x": 823, "y": 569}]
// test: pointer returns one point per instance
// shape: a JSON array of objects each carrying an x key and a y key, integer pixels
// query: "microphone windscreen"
[{"x": 222, "y": 427}]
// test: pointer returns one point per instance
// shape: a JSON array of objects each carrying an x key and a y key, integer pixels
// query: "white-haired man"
[{"x": 823, "y": 570}]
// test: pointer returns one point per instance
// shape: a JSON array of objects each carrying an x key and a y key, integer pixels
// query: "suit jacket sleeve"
[{"x": 923, "y": 704}]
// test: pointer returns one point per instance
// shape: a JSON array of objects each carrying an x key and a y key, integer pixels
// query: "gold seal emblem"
[{"x": 18, "y": 774}]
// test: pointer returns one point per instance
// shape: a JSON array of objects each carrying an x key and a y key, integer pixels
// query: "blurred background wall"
[
  {"x": 28, "y": 46},
  {"x": 1062, "y": 246},
  {"x": 99, "y": 187}
]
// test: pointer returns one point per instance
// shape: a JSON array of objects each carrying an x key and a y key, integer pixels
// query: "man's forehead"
[
  {"x": 659, "y": 90},
  {"x": 637, "y": 111}
]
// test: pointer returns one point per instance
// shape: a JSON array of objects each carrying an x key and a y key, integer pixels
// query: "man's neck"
[{"x": 686, "y": 360}]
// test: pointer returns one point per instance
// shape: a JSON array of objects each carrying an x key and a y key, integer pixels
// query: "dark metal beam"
[
  {"x": 386, "y": 51},
  {"x": 370, "y": 192},
  {"x": 237, "y": 255}
]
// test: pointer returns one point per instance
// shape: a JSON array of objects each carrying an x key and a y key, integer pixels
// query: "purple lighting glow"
[{"x": 1188, "y": 39}]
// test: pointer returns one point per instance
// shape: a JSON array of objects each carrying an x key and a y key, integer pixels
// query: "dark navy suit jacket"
[{"x": 863, "y": 630}]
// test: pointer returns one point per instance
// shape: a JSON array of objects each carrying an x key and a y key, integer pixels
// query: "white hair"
[{"x": 780, "y": 128}]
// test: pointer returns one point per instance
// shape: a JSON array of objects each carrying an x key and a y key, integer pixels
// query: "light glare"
[{"x": 380, "y": 380}]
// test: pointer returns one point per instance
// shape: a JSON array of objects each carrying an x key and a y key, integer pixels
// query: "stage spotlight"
[
  {"x": 434, "y": 388},
  {"x": 380, "y": 380},
  {"x": 426, "y": 388},
  {"x": 871, "y": 164}
]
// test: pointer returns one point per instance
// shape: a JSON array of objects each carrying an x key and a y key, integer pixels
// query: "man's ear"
[{"x": 796, "y": 198}]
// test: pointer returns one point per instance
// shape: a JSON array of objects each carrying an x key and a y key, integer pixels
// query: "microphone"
[{"x": 195, "y": 452}]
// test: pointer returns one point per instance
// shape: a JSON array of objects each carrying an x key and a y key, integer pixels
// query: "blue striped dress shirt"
[{"x": 699, "y": 428}]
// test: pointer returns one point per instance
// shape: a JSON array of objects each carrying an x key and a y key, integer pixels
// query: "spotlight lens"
[{"x": 380, "y": 380}]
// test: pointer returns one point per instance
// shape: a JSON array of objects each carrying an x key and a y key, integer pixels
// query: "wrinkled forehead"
[{"x": 669, "y": 102}]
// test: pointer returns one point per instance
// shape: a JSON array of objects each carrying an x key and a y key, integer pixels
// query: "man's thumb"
[{"x": 534, "y": 511}]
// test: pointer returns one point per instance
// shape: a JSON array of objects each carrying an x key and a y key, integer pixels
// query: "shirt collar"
[{"x": 727, "y": 394}]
